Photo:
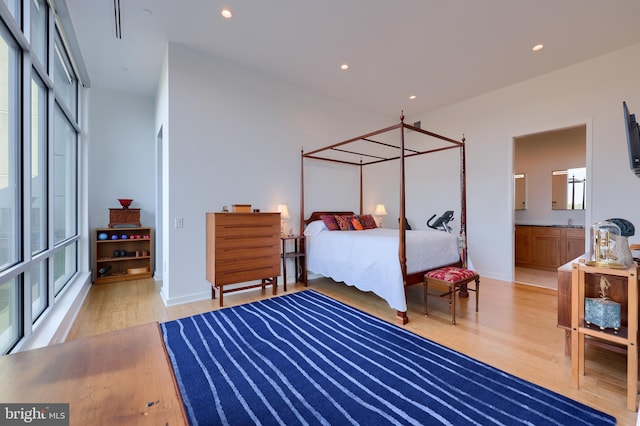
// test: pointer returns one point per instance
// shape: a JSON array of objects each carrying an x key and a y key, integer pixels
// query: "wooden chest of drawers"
[{"x": 242, "y": 247}]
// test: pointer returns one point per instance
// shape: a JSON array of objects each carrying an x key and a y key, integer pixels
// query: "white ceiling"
[{"x": 443, "y": 51}]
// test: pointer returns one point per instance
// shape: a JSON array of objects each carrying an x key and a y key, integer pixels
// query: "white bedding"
[{"x": 369, "y": 259}]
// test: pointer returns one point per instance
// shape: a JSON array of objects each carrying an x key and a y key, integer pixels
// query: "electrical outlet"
[{"x": 178, "y": 222}]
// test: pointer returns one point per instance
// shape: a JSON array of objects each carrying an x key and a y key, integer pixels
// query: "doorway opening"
[{"x": 550, "y": 199}]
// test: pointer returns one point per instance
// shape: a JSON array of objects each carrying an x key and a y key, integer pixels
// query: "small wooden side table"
[
  {"x": 298, "y": 254},
  {"x": 626, "y": 336}
]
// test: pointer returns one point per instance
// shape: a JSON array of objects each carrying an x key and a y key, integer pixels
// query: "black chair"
[{"x": 406, "y": 224}]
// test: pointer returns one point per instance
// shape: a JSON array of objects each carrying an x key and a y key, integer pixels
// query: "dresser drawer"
[
  {"x": 233, "y": 266},
  {"x": 237, "y": 231},
  {"x": 240, "y": 276},
  {"x": 246, "y": 252},
  {"x": 224, "y": 220},
  {"x": 230, "y": 242}
]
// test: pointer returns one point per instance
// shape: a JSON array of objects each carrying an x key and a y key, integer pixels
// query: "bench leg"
[
  {"x": 452, "y": 300},
  {"x": 426, "y": 287},
  {"x": 477, "y": 293}
]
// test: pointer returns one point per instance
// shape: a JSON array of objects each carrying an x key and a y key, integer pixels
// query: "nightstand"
[{"x": 298, "y": 256}]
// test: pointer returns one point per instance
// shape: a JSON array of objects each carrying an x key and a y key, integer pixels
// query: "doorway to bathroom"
[{"x": 550, "y": 197}]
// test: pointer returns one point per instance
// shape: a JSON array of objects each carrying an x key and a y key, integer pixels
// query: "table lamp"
[
  {"x": 380, "y": 211},
  {"x": 283, "y": 209}
]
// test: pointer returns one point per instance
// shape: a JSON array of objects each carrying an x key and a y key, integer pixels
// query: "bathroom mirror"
[
  {"x": 568, "y": 189},
  {"x": 520, "y": 187}
]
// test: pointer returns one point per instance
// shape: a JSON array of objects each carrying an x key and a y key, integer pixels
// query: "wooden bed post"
[
  {"x": 361, "y": 185},
  {"x": 302, "y": 192},
  {"x": 463, "y": 205},
  {"x": 402, "y": 317},
  {"x": 302, "y": 248}
]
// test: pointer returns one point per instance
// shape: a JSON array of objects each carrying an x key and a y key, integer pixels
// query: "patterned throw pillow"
[
  {"x": 367, "y": 221},
  {"x": 344, "y": 222},
  {"x": 356, "y": 224},
  {"x": 330, "y": 222}
]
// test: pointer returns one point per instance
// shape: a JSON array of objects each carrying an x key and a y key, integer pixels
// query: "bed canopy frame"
[{"x": 382, "y": 146}]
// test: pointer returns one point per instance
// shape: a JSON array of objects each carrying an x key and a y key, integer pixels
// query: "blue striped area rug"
[{"x": 304, "y": 358}]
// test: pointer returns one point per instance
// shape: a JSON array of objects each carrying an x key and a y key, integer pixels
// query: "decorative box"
[
  {"x": 124, "y": 217},
  {"x": 241, "y": 208},
  {"x": 602, "y": 312}
]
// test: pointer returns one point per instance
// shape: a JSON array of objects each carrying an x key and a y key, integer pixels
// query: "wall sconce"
[
  {"x": 380, "y": 211},
  {"x": 283, "y": 209}
]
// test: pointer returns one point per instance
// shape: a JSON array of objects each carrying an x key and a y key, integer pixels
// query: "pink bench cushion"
[{"x": 450, "y": 274}]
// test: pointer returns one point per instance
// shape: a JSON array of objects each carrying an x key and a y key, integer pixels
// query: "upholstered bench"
[{"x": 452, "y": 277}]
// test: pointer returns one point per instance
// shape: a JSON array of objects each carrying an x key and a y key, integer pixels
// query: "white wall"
[
  {"x": 121, "y": 159},
  {"x": 588, "y": 93},
  {"x": 234, "y": 136}
]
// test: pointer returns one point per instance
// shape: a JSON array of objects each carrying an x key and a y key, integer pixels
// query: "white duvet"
[{"x": 369, "y": 259}]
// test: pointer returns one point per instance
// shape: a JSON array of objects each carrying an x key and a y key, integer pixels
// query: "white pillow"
[{"x": 315, "y": 228}]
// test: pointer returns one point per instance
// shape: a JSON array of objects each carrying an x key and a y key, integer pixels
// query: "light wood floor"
[
  {"x": 536, "y": 277},
  {"x": 515, "y": 330}
]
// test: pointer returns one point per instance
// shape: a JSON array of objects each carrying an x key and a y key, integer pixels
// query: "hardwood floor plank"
[{"x": 515, "y": 330}]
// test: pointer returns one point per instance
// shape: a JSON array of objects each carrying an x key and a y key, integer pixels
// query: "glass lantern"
[{"x": 605, "y": 245}]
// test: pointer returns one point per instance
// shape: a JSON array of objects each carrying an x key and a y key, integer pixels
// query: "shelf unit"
[
  {"x": 298, "y": 256},
  {"x": 138, "y": 248},
  {"x": 625, "y": 336}
]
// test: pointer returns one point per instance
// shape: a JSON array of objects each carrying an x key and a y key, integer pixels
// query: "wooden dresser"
[{"x": 242, "y": 247}]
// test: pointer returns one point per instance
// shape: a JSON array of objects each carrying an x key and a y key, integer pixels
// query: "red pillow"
[
  {"x": 367, "y": 221},
  {"x": 356, "y": 224},
  {"x": 330, "y": 222},
  {"x": 344, "y": 222}
]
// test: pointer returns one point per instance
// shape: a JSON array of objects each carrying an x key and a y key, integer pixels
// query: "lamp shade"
[
  {"x": 380, "y": 210},
  {"x": 283, "y": 209}
]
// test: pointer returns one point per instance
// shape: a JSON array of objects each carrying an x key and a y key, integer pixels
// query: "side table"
[
  {"x": 626, "y": 336},
  {"x": 298, "y": 256}
]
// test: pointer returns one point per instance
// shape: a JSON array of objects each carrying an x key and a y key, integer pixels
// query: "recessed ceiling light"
[
  {"x": 538, "y": 47},
  {"x": 226, "y": 13},
  {"x": 412, "y": 97},
  {"x": 344, "y": 67}
]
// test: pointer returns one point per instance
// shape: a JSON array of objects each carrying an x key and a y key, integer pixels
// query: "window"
[
  {"x": 10, "y": 325},
  {"x": 64, "y": 80},
  {"x": 10, "y": 159},
  {"x": 65, "y": 265},
  {"x": 65, "y": 180},
  {"x": 38, "y": 278},
  {"x": 39, "y": 31},
  {"x": 14, "y": 8},
  {"x": 38, "y": 165},
  {"x": 39, "y": 241}
]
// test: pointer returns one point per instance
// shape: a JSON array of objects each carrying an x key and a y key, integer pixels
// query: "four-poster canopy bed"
[{"x": 396, "y": 142}]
